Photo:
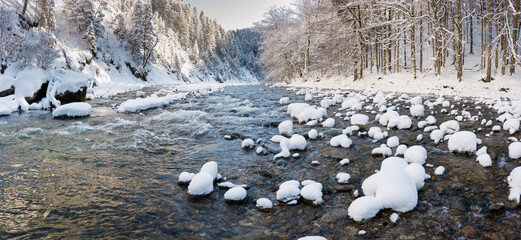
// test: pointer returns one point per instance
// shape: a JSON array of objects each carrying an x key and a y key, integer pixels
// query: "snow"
[
  {"x": 394, "y": 217},
  {"x": 297, "y": 142},
  {"x": 277, "y": 138},
  {"x": 400, "y": 150},
  {"x": 6, "y": 82},
  {"x": 286, "y": 128},
  {"x": 359, "y": 119},
  {"x": 343, "y": 177},
  {"x": 415, "y": 101},
  {"x": 329, "y": 123},
  {"x": 264, "y": 203},
  {"x": 514, "y": 150},
  {"x": 312, "y": 134},
  {"x": 247, "y": 144},
  {"x": 439, "y": 170},
  {"x": 393, "y": 142},
  {"x": 401, "y": 122},
  {"x": 231, "y": 185},
  {"x": 384, "y": 119},
  {"x": 235, "y": 194},
  {"x": 364, "y": 208},
  {"x": 417, "y": 173},
  {"x": 210, "y": 168},
  {"x": 294, "y": 109},
  {"x": 76, "y": 109},
  {"x": 284, "y": 101},
  {"x": 308, "y": 97},
  {"x": 450, "y": 126},
  {"x": 383, "y": 150},
  {"x": 288, "y": 191},
  {"x": 417, "y": 111},
  {"x": 185, "y": 177},
  {"x": 201, "y": 184},
  {"x": 514, "y": 182},
  {"x": 311, "y": 113},
  {"x": 284, "y": 146},
  {"x": 393, "y": 162},
  {"x": 437, "y": 135},
  {"x": 312, "y": 238},
  {"x": 511, "y": 125},
  {"x": 340, "y": 140},
  {"x": 4, "y": 110},
  {"x": 484, "y": 160},
  {"x": 313, "y": 192},
  {"x": 344, "y": 161},
  {"x": 141, "y": 104},
  {"x": 463, "y": 142},
  {"x": 415, "y": 154}
]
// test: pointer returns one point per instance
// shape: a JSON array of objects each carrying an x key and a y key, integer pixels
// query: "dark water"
[{"x": 114, "y": 176}]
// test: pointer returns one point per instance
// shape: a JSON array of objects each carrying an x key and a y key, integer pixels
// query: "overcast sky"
[{"x": 234, "y": 14}]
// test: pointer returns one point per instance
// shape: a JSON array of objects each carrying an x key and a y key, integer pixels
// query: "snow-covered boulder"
[
  {"x": 514, "y": 182},
  {"x": 248, "y": 144},
  {"x": 514, "y": 150},
  {"x": 329, "y": 123},
  {"x": 343, "y": 177},
  {"x": 185, "y": 178},
  {"x": 210, "y": 168},
  {"x": 484, "y": 160},
  {"x": 437, "y": 135},
  {"x": 286, "y": 128},
  {"x": 311, "y": 113},
  {"x": 340, "y": 140},
  {"x": 364, "y": 208},
  {"x": 284, "y": 146},
  {"x": 401, "y": 122},
  {"x": 417, "y": 111},
  {"x": 383, "y": 150},
  {"x": 393, "y": 162},
  {"x": 359, "y": 119},
  {"x": 297, "y": 142},
  {"x": 284, "y": 101},
  {"x": 294, "y": 109},
  {"x": 235, "y": 194},
  {"x": 511, "y": 125},
  {"x": 288, "y": 191},
  {"x": 313, "y": 134},
  {"x": 72, "y": 110},
  {"x": 450, "y": 126},
  {"x": 312, "y": 192},
  {"x": 400, "y": 150},
  {"x": 439, "y": 170},
  {"x": 417, "y": 173},
  {"x": 384, "y": 119},
  {"x": 415, "y": 154},
  {"x": 201, "y": 184},
  {"x": 263, "y": 204},
  {"x": 416, "y": 100},
  {"x": 393, "y": 142},
  {"x": 463, "y": 142}
]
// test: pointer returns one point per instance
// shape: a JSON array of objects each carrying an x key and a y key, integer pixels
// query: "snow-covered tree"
[{"x": 142, "y": 36}]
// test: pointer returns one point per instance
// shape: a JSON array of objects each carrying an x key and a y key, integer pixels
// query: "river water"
[{"x": 114, "y": 176}]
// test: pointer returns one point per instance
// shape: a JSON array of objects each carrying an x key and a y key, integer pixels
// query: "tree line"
[{"x": 353, "y": 37}]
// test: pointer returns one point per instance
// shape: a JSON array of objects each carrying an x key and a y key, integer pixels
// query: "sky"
[{"x": 236, "y": 14}]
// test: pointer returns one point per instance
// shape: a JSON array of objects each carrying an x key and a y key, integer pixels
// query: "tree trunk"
[
  {"x": 488, "y": 78},
  {"x": 24, "y": 9},
  {"x": 471, "y": 31},
  {"x": 459, "y": 26},
  {"x": 421, "y": 40},
  {"x": 515, "y": 31},
  {"x": 413, "y": 45}
]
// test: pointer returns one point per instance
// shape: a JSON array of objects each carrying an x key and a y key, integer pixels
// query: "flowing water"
[{"x": 114, "y": 176}]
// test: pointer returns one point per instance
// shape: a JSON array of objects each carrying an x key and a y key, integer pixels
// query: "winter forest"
[{"x": 260, "y": 119}]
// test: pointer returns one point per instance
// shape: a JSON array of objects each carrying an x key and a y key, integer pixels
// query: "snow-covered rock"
[
  {"x": 312, "y": 238},
  {"x": 185, "y": 177},
  {"x": 394, "y": 217},
  {"x": 235, "y": 194},
  {"x": 343, "y": 177},
  {"x": 311, "y": 113},
  {"x": 359, "y": 119},
  {"x": 210, "y": 168},
  {"x": 393, "y": 162},
  {"x": 77, "y": 109},
  {"x": 312, "y": 134},
  {"x": 201, "y": 184},
  {"x": 437, "y": 135},
  {"x": 284, "y": 101},
  {"x": 415, "y": 154},
  {"x": 416, "y": 100},
  {"x": 393, "y": 142},
  {"x": 417, "y": 111},
  {"x": 284, "y": 146},
  {"x": 511, "y": 125},
  {"x": 294, "y": 109},
  {"x": 329, "y": 123},
  {"x": 286, "y": 128},
  {"x": 308, "y": 97},
  {"x": 140, "y": 104},
  {"x": 514, "y": 182},
  {"x": 417, "y": 173},
  {"x": 384, "y": 119},
  {"x": 400, "y": 150},
  {"x": 514, "y": 150},
  {"x": 289, "y": 191},
  {"x": 364, "y": 208},
  {"x": 463, "y": 142},
  {"x": 439, "y": 170},
  {"x": 484, "y": 160},
  {"x": 383, "y": 150},
  {"x": 401, "y": 122},
  {"x": 264, "y": 203},
  {"x": 297, "y": 142},
  {"x": 450, "y": 127},
  {"x": 248, "y": 144},
  {"x": 344, "y": 161},
  {"x": 340, "y": 140},
  {"x": 312, "y": 192}
]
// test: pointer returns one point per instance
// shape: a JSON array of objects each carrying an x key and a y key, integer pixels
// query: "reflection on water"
[{"x": 114, "y": 175}]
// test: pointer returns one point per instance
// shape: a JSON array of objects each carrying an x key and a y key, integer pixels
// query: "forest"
[{"x": 356, "y": 38}]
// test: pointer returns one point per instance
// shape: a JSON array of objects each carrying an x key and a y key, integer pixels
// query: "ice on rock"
[
  {"x": 247, "y": 144},
  {"x": 511, "y": 125},
  {"x": 359, "y": 119},
  {"x": 77, "y": 109},
  {"x": 185, "y": 177},
  {"x": 484, "y": 160},
  {"x": 343, "y": 177},
  {"x": 415, "y": 154},
  {"x": 264, "y": 203},
  {"x": 340, "y": 141},
  {"x": 329, "y": 123},
  {"x": 288, "y": 191},
  {"x": 393, "y": 142},
  {"x": 364, "y": 208},
  {"x": 400, "y": 150},
  {"x": 417, "y": 111},
  {"x": 312, "y": 134},
  {"x": 417, "y": 173},
  {"x": 312, "y": 192},
  {"x": 450, "y": 127},
  {"x": 284, "y": 101},
  {"x": 439, "y": 170},
  {"x": 297, "y": 142},
  {"x": 383, "y": 150},
  {"x": 235, "y": 194},
  {"x": 286, "y": 128},
  {"x": 384, "y": 119},
  {"x": 201, "y": 184},
  {"x": 463, "y": 142},
  {"x": 514, "y": 150},
  {"x": 514, "y": 182}
]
